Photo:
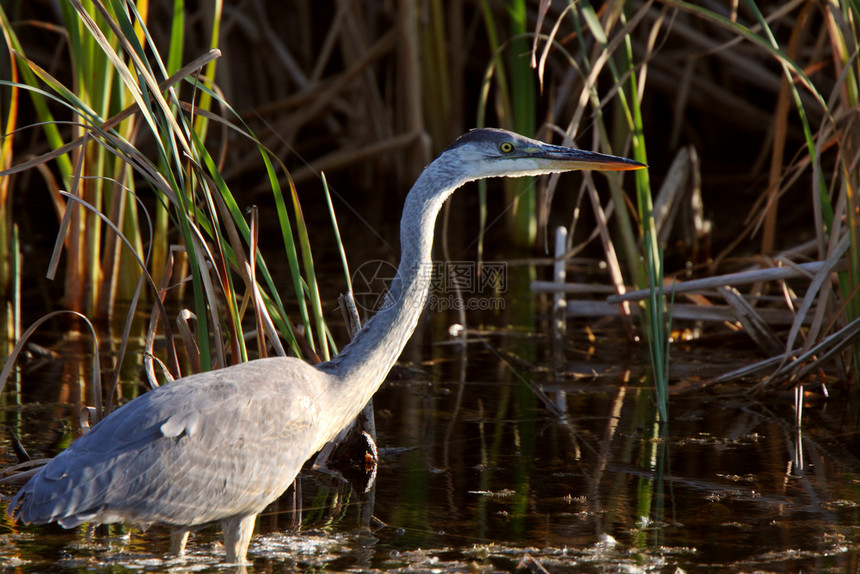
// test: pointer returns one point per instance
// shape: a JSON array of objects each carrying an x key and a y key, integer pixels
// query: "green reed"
[{"x": 121, "y": 94}]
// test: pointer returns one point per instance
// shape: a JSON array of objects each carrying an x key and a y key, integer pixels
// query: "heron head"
[{"x": 490, "y": 152}]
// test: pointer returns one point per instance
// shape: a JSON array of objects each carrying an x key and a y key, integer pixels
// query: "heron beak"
[{"x": 566, "y": 158}]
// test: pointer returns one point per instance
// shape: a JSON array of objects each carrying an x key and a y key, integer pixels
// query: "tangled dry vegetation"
[{"x": 747, "y": 112}]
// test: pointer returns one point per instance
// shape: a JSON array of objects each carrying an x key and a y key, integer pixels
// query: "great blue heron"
[{"x": 222, "y": 445}]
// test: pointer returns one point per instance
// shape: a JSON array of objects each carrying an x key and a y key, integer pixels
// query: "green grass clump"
[{"x": 142, "y": 201}]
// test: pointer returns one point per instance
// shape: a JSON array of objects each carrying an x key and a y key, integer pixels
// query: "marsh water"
[
  {"x": 504, "y": 455},
  {"x": 521, "y": 451}
]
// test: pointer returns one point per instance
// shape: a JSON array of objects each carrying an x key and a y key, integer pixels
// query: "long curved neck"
[{"x": 362, "y": 365}]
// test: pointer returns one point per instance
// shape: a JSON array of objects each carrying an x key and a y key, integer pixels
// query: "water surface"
[{"x": 512, "y": 455}]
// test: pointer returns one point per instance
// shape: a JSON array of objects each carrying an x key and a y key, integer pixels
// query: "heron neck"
[{"x": 360, "y": 367}]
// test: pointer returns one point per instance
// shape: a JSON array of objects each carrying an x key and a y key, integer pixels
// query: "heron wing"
[{"x": 203, "y": 448}]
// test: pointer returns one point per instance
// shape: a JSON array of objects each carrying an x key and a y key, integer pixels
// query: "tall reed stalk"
[
  {"x": 122, "y": 93},
  {"x": 515, "y": 107},
  {"x": 605, "y": 47},
  {"x": 834, "y": 208},
  {"x": 610, "y": 49}
]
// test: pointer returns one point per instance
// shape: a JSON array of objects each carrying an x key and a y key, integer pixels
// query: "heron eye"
[{"x": 506, "y": 147}]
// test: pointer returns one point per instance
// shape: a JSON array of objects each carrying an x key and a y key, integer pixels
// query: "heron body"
[{"x": 220, "y": 446}]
